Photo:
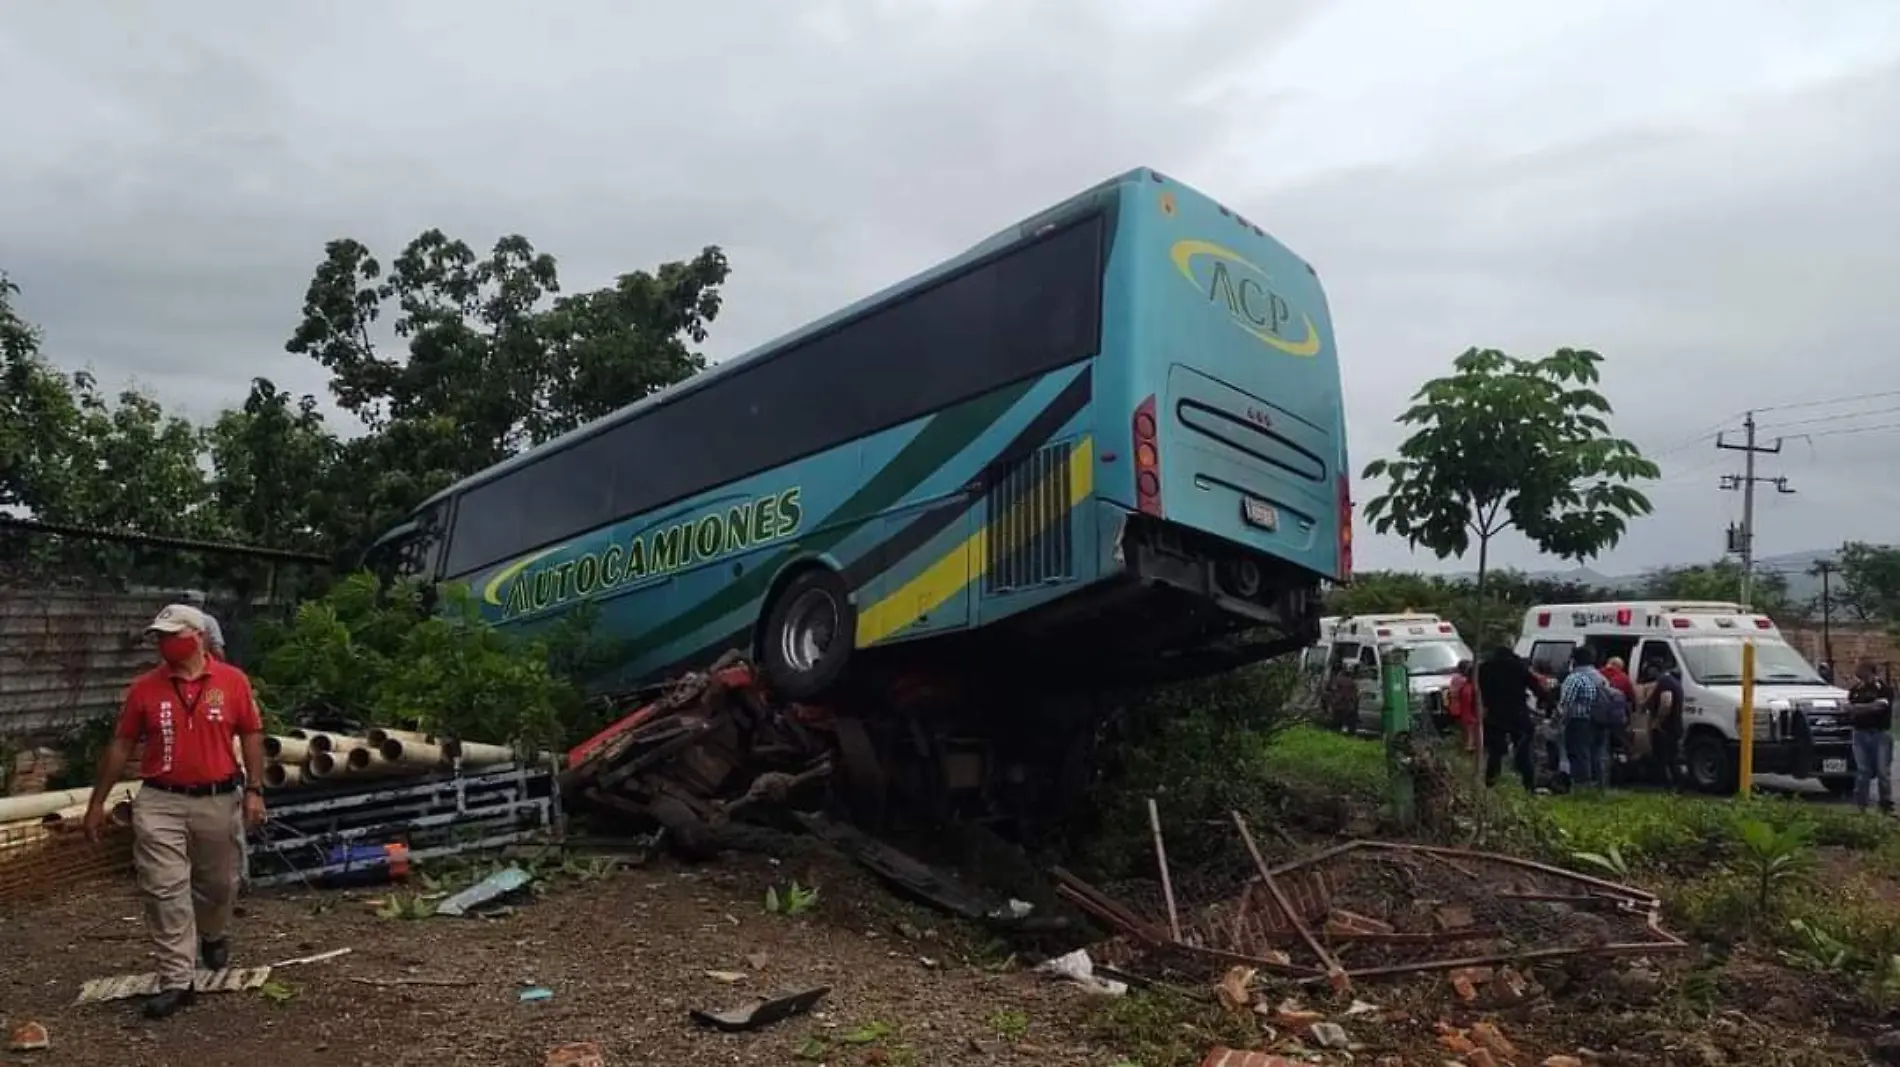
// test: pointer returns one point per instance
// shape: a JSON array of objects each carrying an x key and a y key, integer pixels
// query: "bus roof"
[{"x": 1029, "y": 227}]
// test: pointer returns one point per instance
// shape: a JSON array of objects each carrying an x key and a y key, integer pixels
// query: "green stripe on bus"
[{"x": 945, "y": 435}]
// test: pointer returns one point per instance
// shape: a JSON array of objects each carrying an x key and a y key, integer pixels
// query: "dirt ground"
[{"x": 625, "y": 955}]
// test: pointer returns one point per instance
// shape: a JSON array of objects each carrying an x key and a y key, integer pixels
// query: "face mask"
[{"x": 177, "y": 649}]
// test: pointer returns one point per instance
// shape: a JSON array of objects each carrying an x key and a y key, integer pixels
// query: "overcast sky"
[{"x": 1702, "y": 190}]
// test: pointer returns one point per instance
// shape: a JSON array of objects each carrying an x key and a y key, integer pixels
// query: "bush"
[
  {"x": 375, "y": 655},
  {"x": 1198, "y": 749}
]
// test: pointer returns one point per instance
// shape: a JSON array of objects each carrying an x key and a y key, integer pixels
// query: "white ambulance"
[
  {"x": 1432, "y": 647},
  {"x": 1800, "y": 722}
]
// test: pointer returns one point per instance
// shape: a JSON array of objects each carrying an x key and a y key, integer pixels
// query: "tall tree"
[
  {"x": 1870, "y": 581},
  {"x": 1505, "y": 443},
  {"x": 38, "y": 417},
  {"x": 1722, "y": 580},
  {"x": 271, "y": 462},
  {"x": 487, "y": 345}
]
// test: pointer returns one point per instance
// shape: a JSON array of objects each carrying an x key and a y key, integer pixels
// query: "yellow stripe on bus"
[{"x": 965, "y": 563}]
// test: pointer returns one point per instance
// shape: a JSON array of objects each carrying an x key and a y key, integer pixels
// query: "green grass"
[
  {"x": 1651, "y": 829},
  {"x": 1309, "y": 757}
]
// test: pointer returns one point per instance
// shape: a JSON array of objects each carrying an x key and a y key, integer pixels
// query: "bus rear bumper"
[{"x": 1233, "y": 578}]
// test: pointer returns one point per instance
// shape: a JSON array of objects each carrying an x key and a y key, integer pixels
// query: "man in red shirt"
[{"x": 189, "y": 818}]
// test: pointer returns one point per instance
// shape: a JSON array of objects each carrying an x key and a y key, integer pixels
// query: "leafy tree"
[
  {"x": 1506, "y": 443},
  {"x": 38, "y": 417},
  {"x": 1722, "y": 580},
  {"x": 270, "y": 460},
  {"x": 488, "y": 348},
  {"x": 1869, "y": 586}
]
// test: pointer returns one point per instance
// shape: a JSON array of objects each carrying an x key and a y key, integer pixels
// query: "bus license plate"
[
  {"x": 1833, "y": 766},
  {"x": 1259, "y": 513}
]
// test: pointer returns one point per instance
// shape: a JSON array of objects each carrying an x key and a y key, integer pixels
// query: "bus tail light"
[
  {"x": 1680, "y": 623},
  {"x": 1764, "y": 624},
  {"x": 1345, "y": 528},
  {"x": 1147, "y": 460}
]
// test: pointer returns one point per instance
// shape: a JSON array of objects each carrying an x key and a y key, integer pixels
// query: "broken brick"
[
  {"x": 1488, "y": 1035},
  {"x": 1458, "y": 1043},
  {"x": 28, "y": 1037},
  {"x": 1222, "y": 1056},
  {"x": 577, "y": 1054},
  {"x": 1509, "y": 987},
  {"x": 1563, "y": 1061}
]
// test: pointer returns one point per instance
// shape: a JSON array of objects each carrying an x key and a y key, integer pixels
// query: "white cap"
[{"x": 178, "y": 618}]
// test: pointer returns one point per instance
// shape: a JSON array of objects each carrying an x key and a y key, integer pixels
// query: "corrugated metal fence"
[{"x": 66, "y": 655}]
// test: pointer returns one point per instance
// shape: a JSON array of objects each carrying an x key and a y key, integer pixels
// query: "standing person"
[
  {"x": 189, "y": 818},
  {"x": 1664, "y": 705},
  {"x": 1508, "y": 688},
  {"x": 1870, "y": 704},
  {"x": 1585, "y": 740},
  {"x": 1616, "y": 674},
  {"x": 1461, "y": 704},
  {"x": 1342, "y": 698}
]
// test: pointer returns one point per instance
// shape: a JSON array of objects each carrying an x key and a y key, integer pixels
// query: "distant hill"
[{"x": 1794, "y": 566}]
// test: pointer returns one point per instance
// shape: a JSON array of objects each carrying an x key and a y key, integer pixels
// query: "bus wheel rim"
[{"x": 811, "y": 624}]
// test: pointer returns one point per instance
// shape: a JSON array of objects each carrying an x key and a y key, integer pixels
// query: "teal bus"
[{"x": 1111, "y": 434}]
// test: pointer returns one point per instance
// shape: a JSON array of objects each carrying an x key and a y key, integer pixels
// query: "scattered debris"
[
  {"x": 1077, "y": 967},
  {"x": 1350, "y": 908},
  {"x": 761, "y": 1013},
  {"x": 728, "y": 977},
  {"x": 124, "y": 986},
  {"x": 534, "y": 993},
  {"x": 1329, "y": 1035},
  {"x": 490, "y": 890},
  {"x": 318, "y": 958},
  {"x": 416, "y": 980},
  {"x": 1222, "y": 1056},
  {"x": 576, "y": 1054},
  {"x": 29, "y": 1037}
]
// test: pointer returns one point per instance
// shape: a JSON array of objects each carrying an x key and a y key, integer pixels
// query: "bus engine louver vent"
[{"x": 1031, "y": 530}]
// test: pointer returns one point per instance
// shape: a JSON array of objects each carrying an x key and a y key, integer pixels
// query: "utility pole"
[
  {"x": 1742, "y": 541},
  {"x": 1825, "y": 568}
]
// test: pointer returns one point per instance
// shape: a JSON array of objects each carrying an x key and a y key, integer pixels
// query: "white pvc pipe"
[
  {"x": 412, "y": 753},
  {"x": 287, "y": 749},
  {"x": 34, "y": 805},
  {"x": 385, "y": 733},
  {"x": 321, "y": 741},
  {"x": 283, "y": 776},
  {"x": 473, "y": 754}
]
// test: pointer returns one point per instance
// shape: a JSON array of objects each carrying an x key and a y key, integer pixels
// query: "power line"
[
  {"x": 1831, "y": 418},
  {"x": 1885, "y": 427},
  {"x": 1829, "y": 401}
]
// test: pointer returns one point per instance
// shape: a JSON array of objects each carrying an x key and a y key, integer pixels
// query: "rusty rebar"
[
  {"x": 1161, "y": 863},
  {"x": 1334, "y": 972}
]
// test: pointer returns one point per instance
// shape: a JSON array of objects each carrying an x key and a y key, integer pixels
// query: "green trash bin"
[{"x": 1396, "y": 684}]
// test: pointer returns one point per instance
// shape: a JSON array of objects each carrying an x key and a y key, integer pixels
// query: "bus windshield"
[
  {"x": 1718, "y": 661},
  {"x": 1434, "y": 657}
]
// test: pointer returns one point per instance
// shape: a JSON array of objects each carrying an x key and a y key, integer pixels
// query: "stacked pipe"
[
  {"x": 304, "y": 757},
  {"x": 29, "y": 823}
]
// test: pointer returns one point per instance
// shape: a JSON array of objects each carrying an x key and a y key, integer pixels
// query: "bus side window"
[
  {"x": 1345, "y": 652},
  {"x": 1552, "y": 658}
]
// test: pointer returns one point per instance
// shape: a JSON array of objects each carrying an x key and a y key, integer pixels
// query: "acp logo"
[{"x": 1229, "y": 279}]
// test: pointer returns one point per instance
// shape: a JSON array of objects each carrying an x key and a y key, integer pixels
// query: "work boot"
[
  {"x": 166, "y": 1003},
  {"x": 216, "y": 955}
]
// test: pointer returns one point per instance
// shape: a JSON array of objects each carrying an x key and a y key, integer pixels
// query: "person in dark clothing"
[
  {"x": 1507, "y": 688},
  {"x": 1870, "y": 706},
  {"x": 1664, "y": 705}
]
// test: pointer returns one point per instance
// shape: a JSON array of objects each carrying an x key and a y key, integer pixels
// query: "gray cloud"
[{"x": 1699, "y": 191}]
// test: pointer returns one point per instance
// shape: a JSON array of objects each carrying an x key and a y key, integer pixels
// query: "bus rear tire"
[{"x": 809, "y": 633}]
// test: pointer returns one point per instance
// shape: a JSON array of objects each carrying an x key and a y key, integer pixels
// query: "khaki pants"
[{"x": 188, "y": 852}]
